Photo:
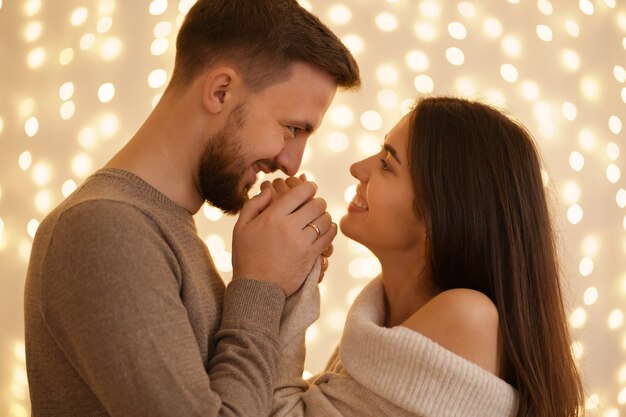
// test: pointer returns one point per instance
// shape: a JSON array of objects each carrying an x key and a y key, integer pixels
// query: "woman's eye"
[
  {"x": 294, "y": 130},
  {"x": 384, "y": 164}
]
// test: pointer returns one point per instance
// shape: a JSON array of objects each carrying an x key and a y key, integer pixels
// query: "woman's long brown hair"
[{"x": 478, "y": 183}]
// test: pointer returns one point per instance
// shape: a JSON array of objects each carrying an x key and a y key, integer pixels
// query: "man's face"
[{"x": 266, "y": 133}]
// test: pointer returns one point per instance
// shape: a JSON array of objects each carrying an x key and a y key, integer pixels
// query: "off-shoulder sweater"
[{"x": 378, "y": 371}]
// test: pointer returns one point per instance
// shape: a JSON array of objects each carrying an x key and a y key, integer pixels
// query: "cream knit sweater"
[{"x": 380, "y": 371}]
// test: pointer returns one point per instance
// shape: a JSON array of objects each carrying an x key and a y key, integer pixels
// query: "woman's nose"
[{"x": 359, "y": 170}]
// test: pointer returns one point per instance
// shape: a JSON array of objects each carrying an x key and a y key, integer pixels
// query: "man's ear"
[{"x": 221, "y": 89}]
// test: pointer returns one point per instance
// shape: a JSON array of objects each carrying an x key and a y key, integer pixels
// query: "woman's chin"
[{"x": 350, "y": 230}]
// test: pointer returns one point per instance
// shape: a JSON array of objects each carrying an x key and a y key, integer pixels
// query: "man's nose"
[{"x": 290, "y": 157}]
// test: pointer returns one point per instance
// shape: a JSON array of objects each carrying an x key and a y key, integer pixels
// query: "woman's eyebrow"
[{"x": 392, "y": 151}]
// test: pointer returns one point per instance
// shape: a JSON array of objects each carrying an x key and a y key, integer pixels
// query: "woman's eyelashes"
[{"x": 383, "y": 159}]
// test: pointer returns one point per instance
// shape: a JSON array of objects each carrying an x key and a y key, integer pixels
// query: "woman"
[{"x": 466, "y": 318}]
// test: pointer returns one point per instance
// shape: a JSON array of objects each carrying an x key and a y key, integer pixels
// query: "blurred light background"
[{"x": 77, "y": 78}]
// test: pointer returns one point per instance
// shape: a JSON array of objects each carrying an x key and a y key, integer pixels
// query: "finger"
[
  {"x": 294, "y": 198},
  {"x": 293, "y": 181},
  {"x": 254, "y": 206},
  {"x": 329, "y": 251},
  {"x": 326, "y": 239},
  {"x": 280, "y": 186},
  {"x": 322, "y": 223},
  {"x": 309, "y": 212},
  {"x": 267, "y": 185},
  {"x": 324, "y": 265}
]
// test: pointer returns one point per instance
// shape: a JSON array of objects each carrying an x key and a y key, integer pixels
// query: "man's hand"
[
  {"x": 274, "y": 242},
  {"x": 278, "y": 188}
]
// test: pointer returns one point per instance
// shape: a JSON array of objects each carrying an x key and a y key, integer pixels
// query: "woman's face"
[{"x": 381, "y": 215}]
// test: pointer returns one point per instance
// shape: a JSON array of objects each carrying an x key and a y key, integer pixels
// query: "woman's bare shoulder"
[{"x": 462, "y": 321}]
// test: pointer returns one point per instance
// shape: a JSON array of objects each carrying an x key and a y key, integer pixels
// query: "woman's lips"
[{"x": 358, "y": 204}]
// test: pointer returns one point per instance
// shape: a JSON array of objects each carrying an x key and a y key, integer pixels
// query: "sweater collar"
[{"x": 412, "y": 371}]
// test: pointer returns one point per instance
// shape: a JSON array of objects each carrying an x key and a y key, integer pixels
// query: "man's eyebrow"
[{"x": 392, "y": 151}]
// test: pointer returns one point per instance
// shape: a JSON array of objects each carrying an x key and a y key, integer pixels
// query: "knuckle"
[{"x": 322, "y": 204}]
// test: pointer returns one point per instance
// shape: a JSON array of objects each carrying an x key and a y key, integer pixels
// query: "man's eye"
[
  {"x": 294, "y": 130},
  {"x": 385, "y": 165}
]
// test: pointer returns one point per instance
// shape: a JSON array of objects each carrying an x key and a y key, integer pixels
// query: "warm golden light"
[
  {"x": 574, "y": 214},
  {"x": 157, "y": 78},
  {"x": 341, "y": 116},
  {"x": 457, "y": 30},
  {"x": 85, "y": 74},
  {"x": 212, "y": 213},
  {"x": 158, "y": 7},
  {"x": 455, "y": 56},
  {"x": 466, "y": 9},
  {"x": 386, "y": 22},
  {"x": 586, "y": 6},
  {"x": 425, "y": 31},
  {"x": 79, "y": 16},
  {"x": 371, "y": 120},
  {"x": 578, "y": 318},
  {"x": 511, "y": 46},
  {"x": 106, "y": 92},
  {"x": 66, "y": 56},
  {"x": 424, "y": 84},
  {"x": 36, "y": 58},
  {"x": 509, "y": 73},
  {"x": 492, "y": 27},
  {"x": 87, "y": 41},
  {"x": 31, "y": 127},
  {"x": 591, "y": 296},
  {"x": 111, "y": 49},
  {"x": 354, "y": 43},
  {"x": 340, "y": 14},
  {"x": 544, "y": 33}
]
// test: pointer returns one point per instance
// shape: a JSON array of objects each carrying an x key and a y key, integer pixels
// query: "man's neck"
[{"x": 159, "y": 154}]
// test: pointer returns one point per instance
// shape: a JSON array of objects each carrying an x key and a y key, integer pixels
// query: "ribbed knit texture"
[
  {"x": 123, "y": 313},
  {"x": 385, "y": 372}
]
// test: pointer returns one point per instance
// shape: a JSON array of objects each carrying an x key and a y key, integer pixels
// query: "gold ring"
[{"x": 317, "y": 229}]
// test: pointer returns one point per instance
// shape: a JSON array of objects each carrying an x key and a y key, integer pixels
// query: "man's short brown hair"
[{"x": 262, "y": 38}]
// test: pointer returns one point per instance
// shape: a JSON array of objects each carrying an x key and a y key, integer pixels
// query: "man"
[{"x": 125, "y": 313}]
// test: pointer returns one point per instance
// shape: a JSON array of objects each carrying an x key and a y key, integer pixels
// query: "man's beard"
[{"x": 222, "y": 166}]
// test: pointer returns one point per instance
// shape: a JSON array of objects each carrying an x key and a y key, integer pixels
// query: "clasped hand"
[{"x": 272, "y": 239}]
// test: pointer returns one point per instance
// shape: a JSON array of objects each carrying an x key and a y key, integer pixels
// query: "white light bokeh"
[
  {"x": 79, "y": 16},
  {"x": 386, "y": 22},
  {"x": 417, "y": 60},
  {"x": 106, "y": 92}
]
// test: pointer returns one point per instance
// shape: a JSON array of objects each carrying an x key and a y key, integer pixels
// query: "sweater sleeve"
[
  {"x": 301, "y": 310},
  {"x": 331, "y": 394},
  {"x": 112, "y": 302}
]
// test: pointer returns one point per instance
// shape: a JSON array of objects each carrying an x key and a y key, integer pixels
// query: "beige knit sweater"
[
  {"x": 380, "y": 371},
  {"x": 126, "y": 315}
]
